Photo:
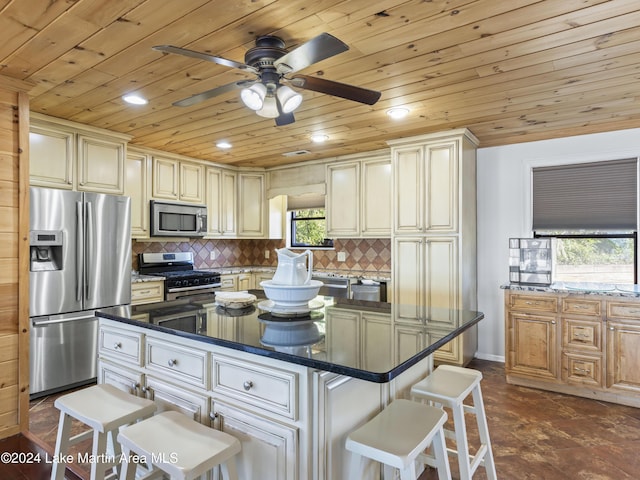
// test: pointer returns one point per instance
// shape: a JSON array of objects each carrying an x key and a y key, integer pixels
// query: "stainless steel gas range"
[{"x": 181, "y": 280}]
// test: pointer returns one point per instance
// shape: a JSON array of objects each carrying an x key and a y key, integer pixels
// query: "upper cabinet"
[
  {"x": 221, "y": 202},
  {"x": 358, "y": 200},
  {"x": 252, "y": 201},
  {"x": 137, "y": 186},
  {"x": 62, "y": 155},
  {"x": 177, "y": 180}
]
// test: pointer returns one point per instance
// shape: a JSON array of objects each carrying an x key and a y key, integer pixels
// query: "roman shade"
[{"x": 596, "y": 196}]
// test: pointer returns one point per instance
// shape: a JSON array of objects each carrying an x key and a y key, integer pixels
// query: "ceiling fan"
[{"x": 272, "y": 64}]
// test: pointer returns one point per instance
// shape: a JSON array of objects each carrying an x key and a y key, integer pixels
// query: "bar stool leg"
[
  {"x": 127, "y": 466},
  {"x": 483, "y": 430},
  {"x": 440, "y": 453},
  {"x": 409, "y": 472},
  {"x": 99, "y": 447},
  {"x": 229, "y": 470},
  {"x": 62, "y": 447},
  {"x": 461, "y": 441},
  {"x": 355, "y": 466}
]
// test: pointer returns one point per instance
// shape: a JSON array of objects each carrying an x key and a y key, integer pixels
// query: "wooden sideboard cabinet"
[{"x": 581, "y": 344}]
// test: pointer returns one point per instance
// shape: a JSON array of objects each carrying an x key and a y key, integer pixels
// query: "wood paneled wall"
[{"x": 14, "y": 268}]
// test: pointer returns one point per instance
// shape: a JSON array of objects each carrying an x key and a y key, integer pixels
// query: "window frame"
[{"x": 292, "y": 229}]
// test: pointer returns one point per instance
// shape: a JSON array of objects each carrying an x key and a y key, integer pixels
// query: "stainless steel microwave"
[{"x": 178, "y": 219}]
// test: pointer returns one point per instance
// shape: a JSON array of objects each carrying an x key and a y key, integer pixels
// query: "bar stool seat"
[
  {"x": 104, "y": 408},
  {"x": 182, "y": 448},
  {"x": 397, "y": 436},
  {"x": 449, "y": 386}
]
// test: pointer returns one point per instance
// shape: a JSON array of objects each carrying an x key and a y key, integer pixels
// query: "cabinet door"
[
  {"x": 343, "y": 200},
  {"x": 251, "y": 205},
  {"x": 101, "y": 165},
  {"x": 126, "y": 380},
  {"x": 136, "y": 186},
  {"x": 245, "y": 281},
  {"x": 228, "y": 203},
  {"x": 214, "y": 201},
  {"x": 623, "y": 356},
  {"x": 441, "y": 277},
  {"x": 376, "y": 198},
  {"x": 165, "y": 178},
  {"x": 261, "y": 277},
  {"x": 347, "y": 343},
  {"x": 532, "y": 348},
  {"x": 408, "y": 278},
  {"x": 408, "y": 168},
  {"x": 441, "y": 195},
  {"x": 377, "y": 340},
  {"x": 191, "y": 183},
  {"x": 269, "y": 448},
  {"x": 51, "y": 157},
  {"x": 170, "y": 397}
]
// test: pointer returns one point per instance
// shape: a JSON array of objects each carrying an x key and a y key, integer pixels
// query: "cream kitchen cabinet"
[
  {"x": 221, "y": 202},
  {"x": 252, "y": 205},
  {"x": 261, "y": 277},
  {"x": 358, "y": 202},
  {"x": 177, "y": 180},
  {"x": 137, "y": 183},
  {"x": 147, "y": 292},
  {"x": 71, "y": 156},
  {"x": 434, "y": 231}
]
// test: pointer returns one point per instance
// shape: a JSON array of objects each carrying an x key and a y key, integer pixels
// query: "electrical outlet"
[
  {"x": 342, "y": 256},
  {"x": 266, "y": 254},
  {"x": 213, "y": 255}
]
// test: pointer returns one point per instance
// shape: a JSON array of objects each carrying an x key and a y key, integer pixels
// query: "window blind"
[{"x": 586, "y": 196}]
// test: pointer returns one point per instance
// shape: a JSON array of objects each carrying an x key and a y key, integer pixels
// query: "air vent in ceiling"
[{"x": 295, "y": 153}]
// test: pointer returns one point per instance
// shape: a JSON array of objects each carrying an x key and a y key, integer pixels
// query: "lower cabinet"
[{"x": 585, "y": 345}]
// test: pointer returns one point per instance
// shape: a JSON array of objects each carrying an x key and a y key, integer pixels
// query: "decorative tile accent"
[{"x": 370, "y": 255}]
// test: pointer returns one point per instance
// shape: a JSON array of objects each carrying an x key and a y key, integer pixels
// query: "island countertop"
[{"x": 318, "y": 341}]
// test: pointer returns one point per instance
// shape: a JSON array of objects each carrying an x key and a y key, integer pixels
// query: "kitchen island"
[{"x": 289, "y": 389}]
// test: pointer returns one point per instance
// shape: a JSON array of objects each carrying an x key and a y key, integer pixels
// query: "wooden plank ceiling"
[{"x": 510, "y": 71}]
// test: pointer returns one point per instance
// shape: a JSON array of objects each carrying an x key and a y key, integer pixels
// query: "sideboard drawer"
[
  {"x": 147, "y": 292},
  {"x": 264, "y": 387},
  {"x": 623, "y": 310},
  {"x": 125, "y": 347},
  {"x": 531, "y": 303},
  {"x": 186, "y": 364},
  {"x": 582, "y": 334}
]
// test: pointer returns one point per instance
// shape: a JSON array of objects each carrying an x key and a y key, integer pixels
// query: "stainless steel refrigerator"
[{"x": 80, "y": 261}]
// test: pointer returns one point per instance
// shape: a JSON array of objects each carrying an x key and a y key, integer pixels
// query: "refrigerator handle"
[
  {"x": 90, "y": 249},
  {"x": 79, "y": 251}
]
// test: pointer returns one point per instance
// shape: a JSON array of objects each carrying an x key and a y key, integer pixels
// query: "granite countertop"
[
  {"x": 318, "y": 340},
  {"x": 353, "y": 274},
  {"x": 137, "y": 278},
  {"x": 581, "y": 288}
]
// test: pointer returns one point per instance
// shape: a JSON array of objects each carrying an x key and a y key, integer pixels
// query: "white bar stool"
[
  {"x": 104, "y": 408},
  {"x": 449, "y": 386},
  {"x": 182, "y": 448},
  {"x": 397, "y": 436}
]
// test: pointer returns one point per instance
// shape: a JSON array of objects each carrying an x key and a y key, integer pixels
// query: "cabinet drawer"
[
  {"x": 186, "y": 364},
  {"x": 581, "y": 306},
  {"x": 264, "y": 387},
  {"x": 623, "y": 310},
  {"x": 533, "y": 303},
  {"x": 117, "y": 344},
  {"x": 582, "y": 334},
  {"x": 147, "y": 292},
  {"x": 582, "y": 370}
]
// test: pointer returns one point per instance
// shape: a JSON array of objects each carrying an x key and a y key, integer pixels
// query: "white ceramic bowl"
[{"x": 291, "y": 295}]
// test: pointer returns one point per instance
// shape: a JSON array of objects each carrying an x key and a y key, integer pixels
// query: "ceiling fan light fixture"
[
  {"x": 269, "y": 108},
  {"x": 254, "y": 96},
  {"x": 289, "y": 98}
]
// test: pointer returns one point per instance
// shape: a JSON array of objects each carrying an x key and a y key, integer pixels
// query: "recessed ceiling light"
[
  {"x": 223, "y": 145},
  {"x": 398, "y": 112},
  {"x": 319, "y": 138},
  {"x": 134, "y": 99}
]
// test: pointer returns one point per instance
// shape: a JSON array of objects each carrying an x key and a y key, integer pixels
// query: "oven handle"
[{"x": 199, "y": 287}]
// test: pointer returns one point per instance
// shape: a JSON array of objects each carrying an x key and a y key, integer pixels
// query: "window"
[
  {"x": 590, "y": 210},
  {"x": 308, "y": 228}
]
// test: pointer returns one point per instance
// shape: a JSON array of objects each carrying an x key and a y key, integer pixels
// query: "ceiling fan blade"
[
  {"x": 342, "y": 90},
  {"x": 204, "y": 56},
  {"x": 285, "y": 119},
  {"x": 318, "y": 48},
  {"x": 200, "y": 97}
]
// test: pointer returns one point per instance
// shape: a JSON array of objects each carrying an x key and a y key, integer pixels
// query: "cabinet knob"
[
  {"x": 553, "y": 322},
  {"x": 213, "y": 415},
  {"x": 135, "y": 386},
  {"x": 247, "y": 385},
  {"x": 117, "y": 346},
  {"x": 172, "y": 362}
]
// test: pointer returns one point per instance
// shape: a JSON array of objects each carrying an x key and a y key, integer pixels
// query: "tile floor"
[{"x": 536, "y": 435}]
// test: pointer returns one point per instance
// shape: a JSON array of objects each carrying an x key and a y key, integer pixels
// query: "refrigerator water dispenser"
[{"x": 46, "y": 250}]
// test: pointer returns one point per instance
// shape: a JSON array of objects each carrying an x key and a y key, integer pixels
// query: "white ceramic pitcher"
[{"x": 292, "y": 267}]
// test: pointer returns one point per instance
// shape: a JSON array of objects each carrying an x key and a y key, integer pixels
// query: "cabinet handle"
[
  {"x": 247, "y": 385},
  {"x": 117, "y": 346},
  {"x": 580, "y": 335},
  {"x": 531, "y": 303},
  {"x": 582, "y": 370},
  {"x": 172, "y": 362},
  {"x": 144, "y": 292}
]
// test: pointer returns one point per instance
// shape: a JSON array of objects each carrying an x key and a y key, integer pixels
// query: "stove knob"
[
  {"x": 196, "y": 281},
  {"x": 177, "y": 283}
]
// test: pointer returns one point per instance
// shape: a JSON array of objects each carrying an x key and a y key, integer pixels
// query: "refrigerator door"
[
  {"x": 63, "y": 352},
  {"x": 60, "y": 290},
  {"x": 107, "y": 250}
]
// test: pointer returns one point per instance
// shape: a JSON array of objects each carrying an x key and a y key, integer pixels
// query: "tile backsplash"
[{"x": 371, "y": 255}]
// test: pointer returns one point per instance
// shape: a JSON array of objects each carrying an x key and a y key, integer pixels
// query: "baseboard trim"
[{"x": 492, "y": 358}]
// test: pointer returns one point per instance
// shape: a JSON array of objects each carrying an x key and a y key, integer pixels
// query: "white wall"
[{"x": 504, "y": 211}]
